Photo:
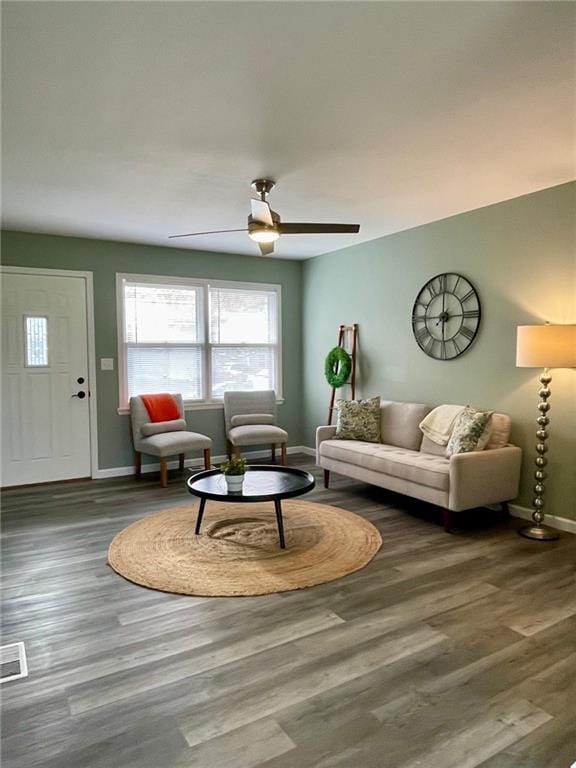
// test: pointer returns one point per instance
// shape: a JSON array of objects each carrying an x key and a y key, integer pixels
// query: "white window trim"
[{"x": 204, "y": 283}]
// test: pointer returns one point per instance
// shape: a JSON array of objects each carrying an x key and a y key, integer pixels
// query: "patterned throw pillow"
[
  {"x": 358, "y": 420},
  {"x": 470, "y": 433}
]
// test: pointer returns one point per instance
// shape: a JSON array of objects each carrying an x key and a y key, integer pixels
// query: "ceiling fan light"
[{"x": 264, "y": 235}]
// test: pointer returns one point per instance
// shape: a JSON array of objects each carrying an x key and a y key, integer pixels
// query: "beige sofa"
[{"x": 407, "y": 462}]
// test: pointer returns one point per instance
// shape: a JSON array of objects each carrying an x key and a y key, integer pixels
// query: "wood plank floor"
[{"x": 447, "y": 651}]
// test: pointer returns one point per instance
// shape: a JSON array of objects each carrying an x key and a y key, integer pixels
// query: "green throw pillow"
[
  {"x": 358, "y": 420},
  {"x": 469, "y": 431}
]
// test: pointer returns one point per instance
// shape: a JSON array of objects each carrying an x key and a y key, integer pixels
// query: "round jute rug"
[{"x": 238, "y": 552}]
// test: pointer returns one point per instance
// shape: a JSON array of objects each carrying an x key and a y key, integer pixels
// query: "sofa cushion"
[
  {"x": 358, "y": 420},
  {"x": 399, "y": 423},
  {"x": 171, "y": 443},
  {"x": 257, "y": 434},
  {"x": 249, "y": 419},
  {"x": 429, "y": 446},
  {"x": 471, "y": 432},
  {"x": 500, "y": 433},
  {"x": 156, "y": 428},
  {"x": 414, "y": 466}
]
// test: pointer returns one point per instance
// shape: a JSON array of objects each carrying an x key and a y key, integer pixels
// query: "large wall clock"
[{"x": 446, "y": 316}]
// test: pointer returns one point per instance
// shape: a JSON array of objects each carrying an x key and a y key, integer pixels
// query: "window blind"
[{"x": 173, "y": 369}]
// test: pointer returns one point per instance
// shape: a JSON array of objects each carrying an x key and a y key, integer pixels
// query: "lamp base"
[{"x": 539, "y": 533}]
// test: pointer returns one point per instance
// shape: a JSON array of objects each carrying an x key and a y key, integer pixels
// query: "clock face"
[{"x": 446, "y": 316}]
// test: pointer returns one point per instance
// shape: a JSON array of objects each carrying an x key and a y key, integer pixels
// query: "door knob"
[{"x": 80, "y": 394}]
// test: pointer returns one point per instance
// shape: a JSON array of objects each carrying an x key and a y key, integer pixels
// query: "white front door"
[{"x": 45, "y": 387}]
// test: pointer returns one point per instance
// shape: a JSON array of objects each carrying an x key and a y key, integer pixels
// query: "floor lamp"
[{"x": 543, "y": 346}]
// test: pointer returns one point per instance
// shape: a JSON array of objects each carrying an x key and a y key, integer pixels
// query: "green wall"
[
  {"x": 520, "y": 255},
  {"x": 105, "y": 259}
]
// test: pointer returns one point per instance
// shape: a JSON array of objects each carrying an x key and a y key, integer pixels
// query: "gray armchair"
[
  {"x": 164, "y": 438},
  {"x": 251, "y": 420}
]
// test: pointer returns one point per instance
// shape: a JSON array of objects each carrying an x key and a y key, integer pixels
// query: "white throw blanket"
[{"x": 438, "y": 425}]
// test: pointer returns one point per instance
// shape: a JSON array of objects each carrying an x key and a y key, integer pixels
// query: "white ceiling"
[{"x": 135, "y": 120}]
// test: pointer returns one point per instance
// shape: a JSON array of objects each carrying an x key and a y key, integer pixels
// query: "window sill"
[{"x": 196, "y": 407}]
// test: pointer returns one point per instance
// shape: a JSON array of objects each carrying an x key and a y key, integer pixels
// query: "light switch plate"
[{"x": 106, "y": 363}]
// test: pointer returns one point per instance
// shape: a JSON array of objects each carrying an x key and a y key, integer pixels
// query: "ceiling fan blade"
[
  {"x": 266, "y": 248},
  {"x": 317, "y": 229},
  {"x": 261, "y": 212},
  {"x": 211, "y": 232}
]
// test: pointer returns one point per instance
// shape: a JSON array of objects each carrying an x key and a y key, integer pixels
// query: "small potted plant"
[{"x": 234, "y": 470}]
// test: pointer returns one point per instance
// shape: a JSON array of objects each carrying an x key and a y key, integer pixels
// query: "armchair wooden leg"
[
  {"x": 138, "y": 464},
  {"x": 163, "y": 472},
  {"x": 207, "y": 459},
  {"x": 447, "y": 515},
  {"x": 326, "y": 478},
  {"x": 181, "y": 462},
  {"x": 273, "y": 454},
  {"x": 283, "y": 448},
  {"x": 228, "y": 449}
]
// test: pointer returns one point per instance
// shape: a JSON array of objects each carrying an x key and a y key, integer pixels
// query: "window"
[
  {"x": 36, "y": 342},
  {"x": 243, "y": 339},
  {"x": 199, "y": 338},
  {"x": 162, "y": 339}
]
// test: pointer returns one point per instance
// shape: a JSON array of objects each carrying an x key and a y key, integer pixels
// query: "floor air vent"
[{"x": 12, "y": 662}]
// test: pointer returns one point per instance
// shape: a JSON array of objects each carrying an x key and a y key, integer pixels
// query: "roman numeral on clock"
[
  {"x": 464, "y": 331},
  {"x": 471, "y": 313},
  {"x": 422, "y": 334}
]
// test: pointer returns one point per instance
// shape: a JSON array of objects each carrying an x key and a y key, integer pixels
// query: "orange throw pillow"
[{"x": 161, "y": 407}]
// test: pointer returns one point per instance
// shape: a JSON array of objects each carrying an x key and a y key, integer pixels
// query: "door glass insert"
[{"x": 36, "y": 340}]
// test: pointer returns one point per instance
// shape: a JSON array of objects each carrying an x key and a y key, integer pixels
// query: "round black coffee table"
[{"x": 261, "y": 483}]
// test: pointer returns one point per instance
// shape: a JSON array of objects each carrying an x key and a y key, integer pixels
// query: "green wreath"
[{"x": 337, "y": 367}]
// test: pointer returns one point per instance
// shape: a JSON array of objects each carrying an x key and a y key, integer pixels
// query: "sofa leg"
[
  {"x": 447, "y": 515},
  {"x": 505, "y": 508},
  {"x": 138, "y": 464},
  {"x": 283, "y": 449},
  {"x": 273, "y": 453},
  {"x": 207, "y": 459},
  {"x": 181, "y": 462},
  {"x": 326, "y": 478},
  {"x": 163, "y": 472}
]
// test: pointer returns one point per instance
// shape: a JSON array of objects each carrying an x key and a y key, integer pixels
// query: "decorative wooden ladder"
[{"x": 346, "y": 333}]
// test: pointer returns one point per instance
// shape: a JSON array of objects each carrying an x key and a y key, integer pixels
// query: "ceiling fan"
[{"x": 265, "y": 226}]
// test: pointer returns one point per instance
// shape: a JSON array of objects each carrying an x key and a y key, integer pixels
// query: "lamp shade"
[{"x": 546, "y": 346}]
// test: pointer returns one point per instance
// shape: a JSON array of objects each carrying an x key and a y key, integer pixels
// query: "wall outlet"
[{"x": 106, "y": 363}]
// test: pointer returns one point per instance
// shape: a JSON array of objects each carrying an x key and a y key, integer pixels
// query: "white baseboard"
[
  {"x": 101, "y": 474},
  {"x": 307, "y": 450},
  {"x": 554, "y": 521},
  {"x": 562, "y": 523}
]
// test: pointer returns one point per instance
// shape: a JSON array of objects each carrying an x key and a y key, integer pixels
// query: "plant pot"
[{"x": 234, "y": 482}]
